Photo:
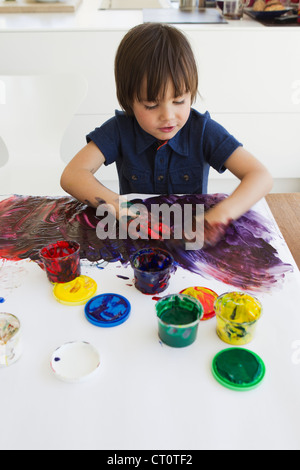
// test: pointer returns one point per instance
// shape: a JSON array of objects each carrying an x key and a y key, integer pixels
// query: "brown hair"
[{"x": 155, "y": 52}]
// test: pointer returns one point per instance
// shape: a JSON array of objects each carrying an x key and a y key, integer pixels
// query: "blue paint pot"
[{"x": 152, "y": 270}]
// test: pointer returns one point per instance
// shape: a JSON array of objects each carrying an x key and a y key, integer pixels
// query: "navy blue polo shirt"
[{"x": 181, "y": 166}]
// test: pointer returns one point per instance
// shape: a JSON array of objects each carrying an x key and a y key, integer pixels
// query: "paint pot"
[
  {"x": 152, "y": 270},
  {"x": 76, "y": 292},
  {"x": 206, "y": 297},
  {"x": 61, "y": 261},
  {"x": 237, "y": 314},
  {"x": 178, "y": 319},
  {"x": 238, "y": 369},
  {"x": 10, "y": 339}
]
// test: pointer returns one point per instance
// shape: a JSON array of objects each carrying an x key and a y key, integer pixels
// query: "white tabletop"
[{"x": 146, "y": 395}]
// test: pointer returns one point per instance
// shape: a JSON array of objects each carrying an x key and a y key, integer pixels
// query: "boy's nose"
[{"x": 167, "y": 113}]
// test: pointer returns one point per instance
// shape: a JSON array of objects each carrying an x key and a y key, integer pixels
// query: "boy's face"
[{"x": 164, "y": 117}]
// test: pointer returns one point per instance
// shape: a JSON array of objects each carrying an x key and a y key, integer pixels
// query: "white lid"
[{"x": 75, "y": 361}]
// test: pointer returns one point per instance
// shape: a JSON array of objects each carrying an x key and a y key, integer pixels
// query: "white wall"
[{"x": 249, "y": 81}]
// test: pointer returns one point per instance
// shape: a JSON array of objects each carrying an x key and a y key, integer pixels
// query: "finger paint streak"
[{"x": 245, "y": 257}]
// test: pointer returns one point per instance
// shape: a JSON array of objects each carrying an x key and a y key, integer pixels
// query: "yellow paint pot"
[
  {"x": 76, "y": 292},
  {"x": 237, "y": 314}
]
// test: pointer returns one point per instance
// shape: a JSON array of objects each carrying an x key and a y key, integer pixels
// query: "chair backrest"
[{"x": 35, "y": 112}]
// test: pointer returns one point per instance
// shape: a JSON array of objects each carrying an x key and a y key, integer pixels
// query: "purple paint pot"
[
  {"x": 152, "y": 270},
  {"x": 61, "y": 261}
]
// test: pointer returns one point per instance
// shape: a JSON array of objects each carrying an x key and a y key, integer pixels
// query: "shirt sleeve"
[
  {"x": 218, "y": 144},
  {"x": 107, "y": 139}
]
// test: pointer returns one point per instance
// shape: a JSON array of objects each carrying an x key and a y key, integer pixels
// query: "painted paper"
[{"x": 245, "y": 258}]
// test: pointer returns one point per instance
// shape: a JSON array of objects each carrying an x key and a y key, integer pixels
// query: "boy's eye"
[
  {"x": 155, "y": 105},
  {"x": 152, "y": 106}
]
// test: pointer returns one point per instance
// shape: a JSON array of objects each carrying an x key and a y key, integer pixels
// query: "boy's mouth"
[{"x": 167, "y": 129}]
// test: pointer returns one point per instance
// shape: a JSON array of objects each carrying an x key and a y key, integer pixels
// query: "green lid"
[{"x": 238, "y": 369}]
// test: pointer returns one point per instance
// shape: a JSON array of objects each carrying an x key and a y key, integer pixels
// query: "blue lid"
[{"x": 107, "y": 310}]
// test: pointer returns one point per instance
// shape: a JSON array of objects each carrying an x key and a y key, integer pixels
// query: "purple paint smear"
[{"x": 245, "y": 258}]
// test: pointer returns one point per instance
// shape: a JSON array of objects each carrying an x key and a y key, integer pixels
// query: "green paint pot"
[{"x": 178, "y": 319}]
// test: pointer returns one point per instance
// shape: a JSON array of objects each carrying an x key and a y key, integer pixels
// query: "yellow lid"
[{"x": 76, "y": 292}]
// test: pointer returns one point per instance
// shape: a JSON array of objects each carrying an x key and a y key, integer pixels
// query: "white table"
[{"x": 147, "y": 395}]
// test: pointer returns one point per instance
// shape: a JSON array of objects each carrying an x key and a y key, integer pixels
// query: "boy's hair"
[{"x": 155, "y": 52}]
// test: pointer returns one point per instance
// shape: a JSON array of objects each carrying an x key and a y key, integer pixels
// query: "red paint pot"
[
  {"x": 61, "y": 261},
  {"x": 206, "y": 297}
]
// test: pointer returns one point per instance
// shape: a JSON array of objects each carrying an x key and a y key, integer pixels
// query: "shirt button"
[
  {"x": 186, "y": 177},
  {"x": 134, "y": 177},
  {"x": 160, "y": 178}
]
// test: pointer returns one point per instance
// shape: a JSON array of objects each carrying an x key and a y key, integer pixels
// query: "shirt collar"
[
  {"x": 179, "y": 143},
  {"x": 143, "y": 139}
]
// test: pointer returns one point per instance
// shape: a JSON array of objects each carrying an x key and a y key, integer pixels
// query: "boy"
[{"x": 159, "y": 143}]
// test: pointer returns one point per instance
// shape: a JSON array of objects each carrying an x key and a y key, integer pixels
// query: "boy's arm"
[
  {"x": 256, "y": 182},
  {"x": 78, "y": 178}
]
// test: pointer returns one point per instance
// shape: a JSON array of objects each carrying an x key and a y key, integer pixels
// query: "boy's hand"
[
  {"x": 127, "y": 214},
  {"x": 212, "y": 232},
  {"x": 140, "y": 223},
  {"x": 124, "y": 214}
]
